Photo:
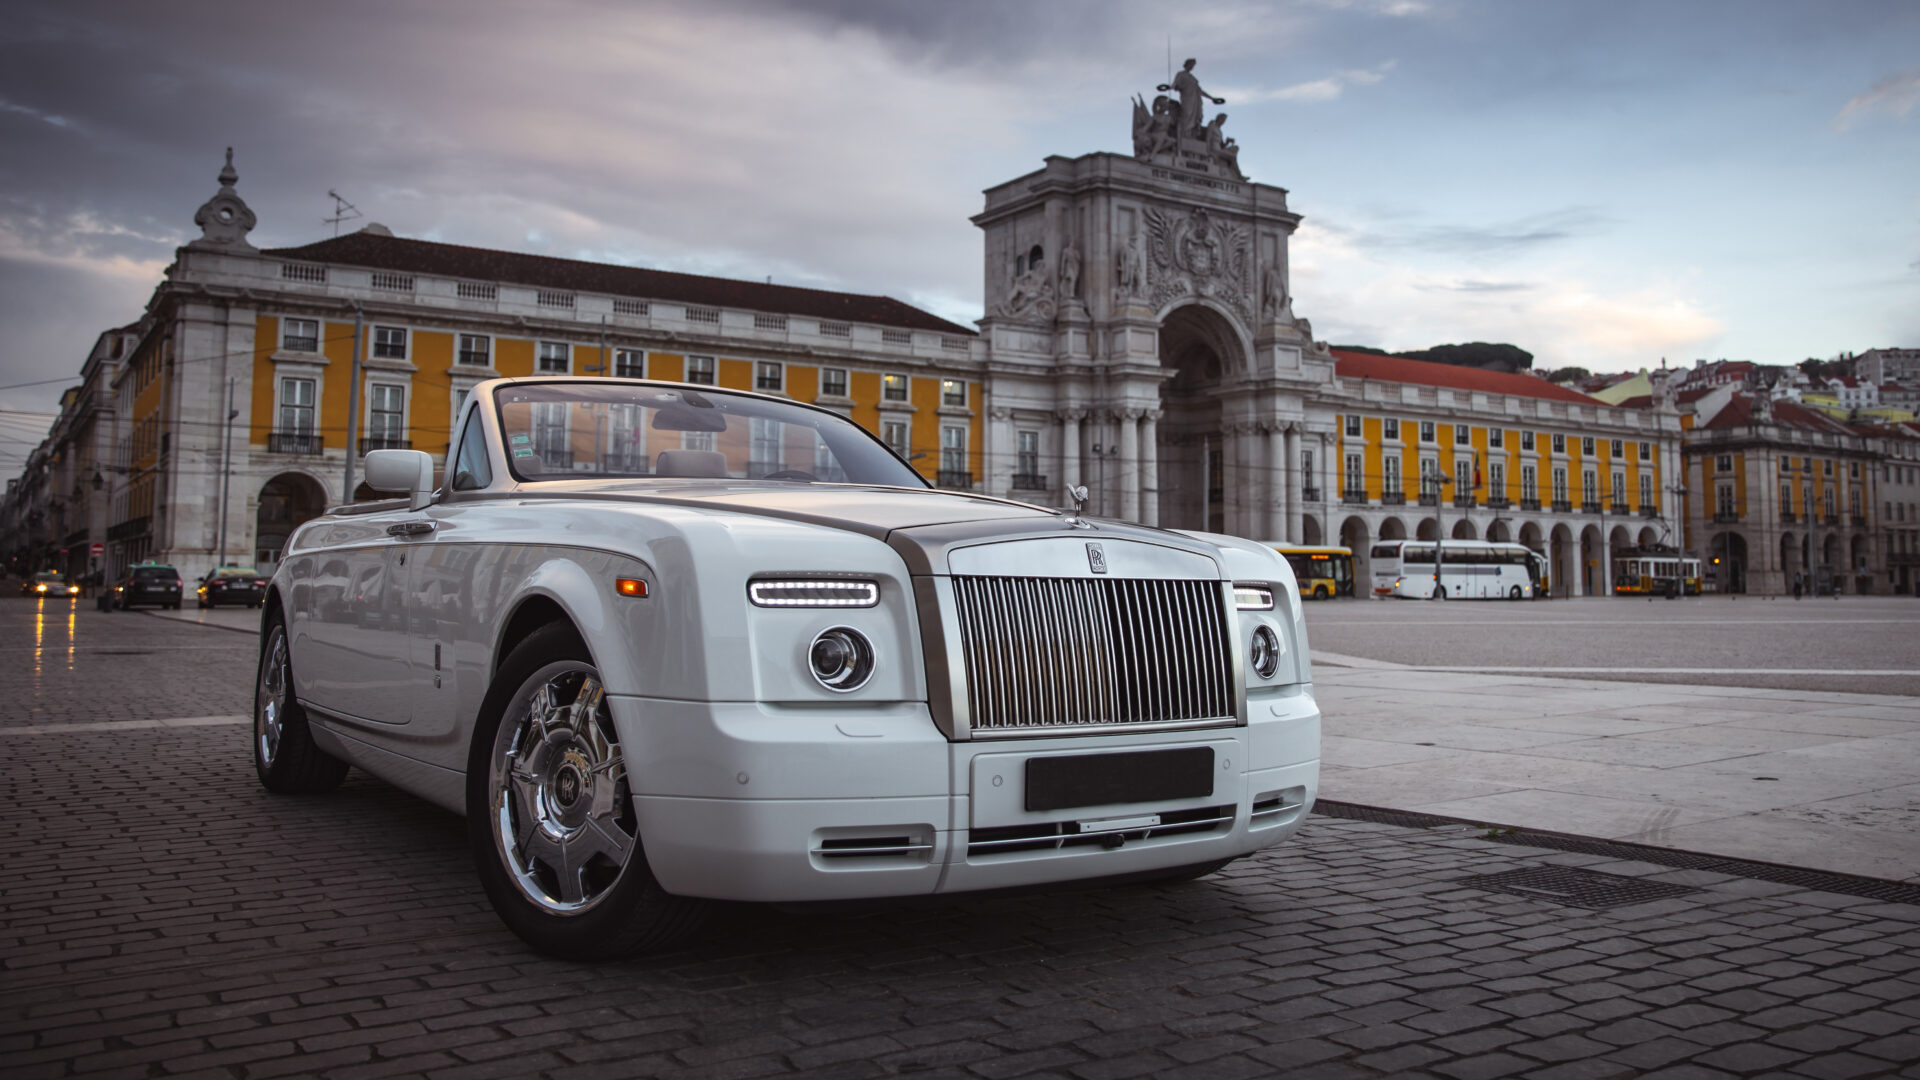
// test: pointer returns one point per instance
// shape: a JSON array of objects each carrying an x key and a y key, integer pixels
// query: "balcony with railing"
[
  {"x": 1354, "y": 496},
  {"x": 1786, "y": 517},
  {"x": 1498, "y": 502},
  {"x": 954, "y": 479},
  {"x": 1529, "y": 502},
  {"x": 1393, "y": 498},
  {"x": 1029, "y": 481},
  {"x": 1833, "y": 519},
  {"x": 1859, "y": 520},
  {"x": 294, "y": 442},
  {"x": 1725, "y": 515},
  {"x": 1562, "y": 506},
  {"x": 1429, "y": 498},
  {"x": 1310, "y": 494},
  {"x": 1649, "y": 510},
  {"x": 383, "y": 442},
  {"x": 1590, "y": 506},
  {"x": 1465, "y": 502}
]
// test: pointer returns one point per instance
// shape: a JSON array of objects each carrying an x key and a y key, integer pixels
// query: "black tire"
[
  {"x": 1516, "y": 593},
  {"x": 1440, "y": 592},
  {"x": 1320, "y": 592},
  {"x": 284, "y": 753},
  {"x": 620, "y": 908}
]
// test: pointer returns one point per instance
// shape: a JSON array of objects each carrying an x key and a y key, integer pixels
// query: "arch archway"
[
  {"x": 1648, "y": 537},
  {"x": 1498, "y": 532},
  {"x": 1593, "y": 575},
  {"x": 1727, "y": 561},
  {"x": 1530, "y": 536},
  {"x": 1353, "y": 537},
  {"x": 287, "y": 502},
  {"x": 1310, "y": 531},
  {"x": 1428, "y": 529},
  {"x": 1464, "y": 530},
  {"x": 1393, "y": 529},
  {"x": 1563, "y": 558},
  {"x": 1203, "y": 480}
]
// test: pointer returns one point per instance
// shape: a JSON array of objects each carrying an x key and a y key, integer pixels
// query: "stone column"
[
  {"x": 1292, "y": 474},
  {"x": 1231, "y": 474},
  {"x": 1127, "y": 465},
  {"x": 1606, "y": 560},
  {"x": 1150, "y": 467},
  {"x": 1274, "y": 527},
  {"x": 1069, "y": 449}
]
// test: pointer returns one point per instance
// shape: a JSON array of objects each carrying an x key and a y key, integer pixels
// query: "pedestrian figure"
[{"x": 1796, "y": 586}]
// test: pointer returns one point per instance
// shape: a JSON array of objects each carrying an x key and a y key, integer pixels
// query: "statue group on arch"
[{"x": 1172, "y": 132}]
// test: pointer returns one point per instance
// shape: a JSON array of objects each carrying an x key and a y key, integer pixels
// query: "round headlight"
[
  {"x": 841, "y": 659},
  {"x": 1265, "y": 653}
]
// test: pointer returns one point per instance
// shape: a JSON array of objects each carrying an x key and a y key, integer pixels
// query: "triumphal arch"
[{"x": 1141, "y": 336}]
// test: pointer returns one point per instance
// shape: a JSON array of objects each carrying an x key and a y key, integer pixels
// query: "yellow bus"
[{"x": 1323, "y": 572}]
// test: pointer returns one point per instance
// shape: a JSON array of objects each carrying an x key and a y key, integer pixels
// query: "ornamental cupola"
[{"x": 224, "y": 220}]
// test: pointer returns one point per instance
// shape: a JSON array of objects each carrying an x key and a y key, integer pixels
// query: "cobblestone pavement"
[{"x": 164, "y": 916}]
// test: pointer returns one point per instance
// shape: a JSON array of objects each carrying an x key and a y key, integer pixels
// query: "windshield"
[
  {"x": 50, "y": 577},
  {"x": 561, "y": 431},
  {"x": 236, "y": 572}
]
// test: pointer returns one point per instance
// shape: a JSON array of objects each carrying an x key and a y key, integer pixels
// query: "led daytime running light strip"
[
  {"x": 814, "y": 594},
  {"x": 1252, "y": 597}
]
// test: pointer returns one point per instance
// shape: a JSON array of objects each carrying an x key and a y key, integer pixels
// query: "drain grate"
[
  {"x": 1575, "y": 887},
  {"x": 1898, "y": 892}
]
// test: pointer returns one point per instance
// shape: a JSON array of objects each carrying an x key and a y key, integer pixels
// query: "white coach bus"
[{"x": 1468, "y": 570}]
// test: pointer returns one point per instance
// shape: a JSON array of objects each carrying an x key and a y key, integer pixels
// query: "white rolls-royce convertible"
[{"x": 665, "y": 644}]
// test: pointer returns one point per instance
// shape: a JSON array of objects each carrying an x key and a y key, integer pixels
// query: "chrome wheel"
[
  {"x": 275, "y": 688},
  {"x": 558, "y": 801}
]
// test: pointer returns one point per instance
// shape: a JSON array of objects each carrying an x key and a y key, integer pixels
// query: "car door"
[{"x": 352, "y": 651}]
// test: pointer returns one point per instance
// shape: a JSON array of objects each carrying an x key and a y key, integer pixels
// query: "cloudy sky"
[{"x": 1604, "y": 184}]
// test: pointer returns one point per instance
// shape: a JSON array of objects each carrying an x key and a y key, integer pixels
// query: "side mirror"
[{"x": 410, "y": 471}]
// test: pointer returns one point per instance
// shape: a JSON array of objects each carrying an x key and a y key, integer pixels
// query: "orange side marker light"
[{"x": 631, "y": 587}]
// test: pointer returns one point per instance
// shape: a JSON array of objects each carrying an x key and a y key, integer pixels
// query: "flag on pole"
[{"x": 1476, "y": 470}]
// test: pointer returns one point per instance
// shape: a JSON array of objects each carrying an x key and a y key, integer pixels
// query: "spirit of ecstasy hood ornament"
[{"x": 1074, "y": 520}]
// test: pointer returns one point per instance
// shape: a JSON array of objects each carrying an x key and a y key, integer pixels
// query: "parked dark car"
[
  {"x": 232, "y": 585},
  {"x": 151, "y": 583}
]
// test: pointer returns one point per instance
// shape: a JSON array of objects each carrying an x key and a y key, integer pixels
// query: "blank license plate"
[{"x": 1061, "y": 783}]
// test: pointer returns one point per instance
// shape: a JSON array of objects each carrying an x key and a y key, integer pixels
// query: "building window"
[
  {"x": 386, "y": 416},
  {"x": 1529, "y": 484},
  {"x": 1786, "y": 497},
  {"x": 700, "y": 370},
  {"x": 1526, "y": 440},
  {"x": 763, "y": 447},
  {"x": 1389, "y": 428},
  {"x": 1462, "y": 478},
  {"x": 1723, "y": 463},
  {"x": 769, "y": 376},
  {"x": 1027, "y": 462},
  {"x": 1619, "y": 492},
  {"x": 476, "y": 349},
  {"x": 953, "y": 392},
  {"x": 1496, "y": 438},
  {"x": 389, "y": 343},
  {"x": 1786, "y": 464},
  {"x": 1586, "y": 445},
  {"x": 894, "y": 432},
  {"x": 553, "y": 359},
  {"x": 1353, "y": 427},
  {"x": 1589, "y": 486},
  {"x": 1646, "y": 451},
  {"x": 1426, "y": 431},
  {"x": 300, "y": 335},
  {"x": 1462, "y": 434},
  {"x": 630, "y": 363},
  {"x": 1826, "y": 467},
  {"x": 296, "y": 406},
  {"x": 953, "y": 449},
  {"x": 1723, "y": 501},
  {"x": 833, "y": 382},
  {"x": 1390, "y": 476},
  {"x": 1559, "y": 444},
  {"x": 1356, "y": 484},
  {"x": 1496, "y": 480},
  {"x": 1614, "y": 449},
  {"x": 550, "y": 437},
  {"x": 1853, "y": 469},
  {"x": 1646, "y": 491},
  {"x": 893, "y": 388},
  {"x": 1560, "y": 486},
  {"x": 1306, "y": 469}
]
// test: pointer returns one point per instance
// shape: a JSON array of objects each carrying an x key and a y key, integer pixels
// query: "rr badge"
[{"x": 1096, "y": 559}]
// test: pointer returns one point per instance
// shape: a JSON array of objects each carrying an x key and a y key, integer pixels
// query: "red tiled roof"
[
  {"x": 1739, "y": 413},
  {"x": 1687, "y": 397},
  {"x": 1643, "y": 401},
  {"x": 396, "y": 253},
  {"x": 1353, "y": 365}
]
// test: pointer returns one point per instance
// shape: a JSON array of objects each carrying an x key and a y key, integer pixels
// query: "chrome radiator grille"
[{"x": 1078, "y": 652}]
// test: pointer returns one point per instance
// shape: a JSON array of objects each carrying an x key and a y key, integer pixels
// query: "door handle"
[{"x": 410, "y": 528}]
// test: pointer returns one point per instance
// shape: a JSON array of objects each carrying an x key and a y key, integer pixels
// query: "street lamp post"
[{"x": 1439, "y": 481}]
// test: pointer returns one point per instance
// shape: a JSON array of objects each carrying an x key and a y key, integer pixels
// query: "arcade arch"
[{"x": 287, "y": 502}]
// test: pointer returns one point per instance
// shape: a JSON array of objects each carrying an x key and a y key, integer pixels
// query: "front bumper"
[{"x": 765, "y": 803}]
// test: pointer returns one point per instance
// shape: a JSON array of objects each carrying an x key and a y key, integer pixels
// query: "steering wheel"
[{"x": 791, "y": 474}]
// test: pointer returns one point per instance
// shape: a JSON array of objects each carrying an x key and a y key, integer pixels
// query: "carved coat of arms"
[{"x": 1194, "y": 254}]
